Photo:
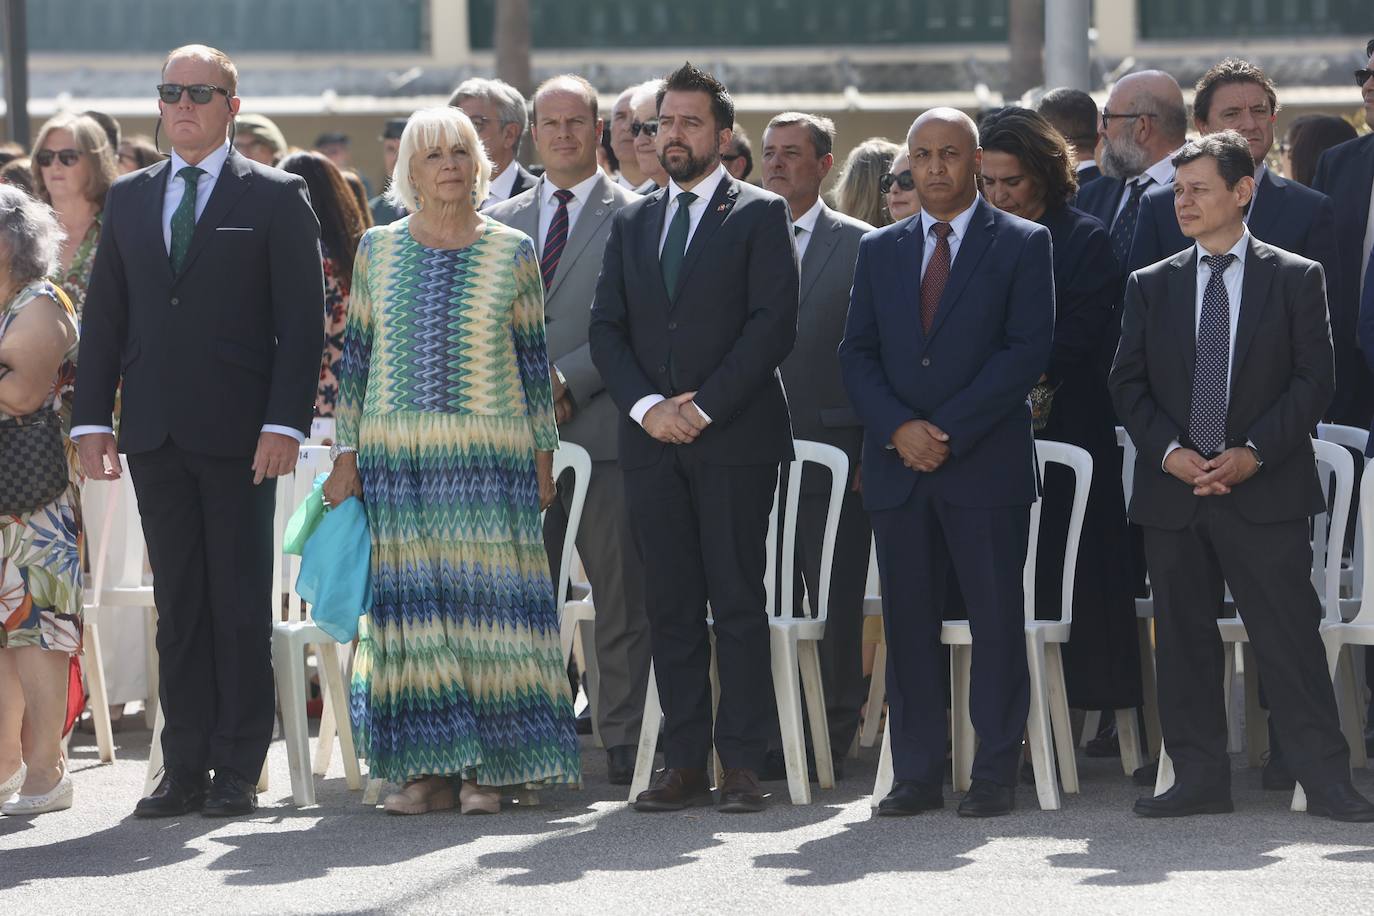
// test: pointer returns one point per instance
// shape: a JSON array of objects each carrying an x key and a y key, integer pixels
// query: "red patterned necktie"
[
  {"x": 556, "y": 238},
  {"x": 936, "y": 275}
]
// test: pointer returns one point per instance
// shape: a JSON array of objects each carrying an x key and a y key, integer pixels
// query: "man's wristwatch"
[
  {"x": 1259, "y": 462},
  {"x": 336, "y": 450}
]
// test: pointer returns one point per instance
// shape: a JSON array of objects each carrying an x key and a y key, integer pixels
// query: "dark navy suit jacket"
[
  {"x": 987, "y": 347},
  {"x": 1100, "y": 198}
]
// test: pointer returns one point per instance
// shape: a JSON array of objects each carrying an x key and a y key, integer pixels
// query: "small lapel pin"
[
  {"x": 721, "y": 208},
  {"x": 601, "y": 212}
]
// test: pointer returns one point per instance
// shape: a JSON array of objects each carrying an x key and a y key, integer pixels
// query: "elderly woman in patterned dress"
[
  {"x": 40, "y": 566},
  {"x": 445, "y": 428}
]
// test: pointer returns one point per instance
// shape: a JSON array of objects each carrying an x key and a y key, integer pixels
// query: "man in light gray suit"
[
  {"x": 796, "y": 158},
  {"x": 568, "y": 215}
]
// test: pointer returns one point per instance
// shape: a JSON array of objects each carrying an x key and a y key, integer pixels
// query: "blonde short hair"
[
  {"x": 94, "y": 144},
  {"x": 210, "y": 55},
  {"x": 437, "y": 127}
]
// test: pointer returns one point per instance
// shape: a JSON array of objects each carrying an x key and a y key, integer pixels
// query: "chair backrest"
[
  {"x": 113, "y": 533},
  {"x": 781, "y": 588},
  {"x": 1355, "y": 439},
  {"x": 570, "y": 456},
  {"x": 1078, "y": 461},
  {"x": 292, "y": 489},
  {"x": 1365, "y": 614},
  {"x": 1328, "y": 542}
]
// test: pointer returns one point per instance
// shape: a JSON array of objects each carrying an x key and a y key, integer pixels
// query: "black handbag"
[{"x": 33, "y": 462}]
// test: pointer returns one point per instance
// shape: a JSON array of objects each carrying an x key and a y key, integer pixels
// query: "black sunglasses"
[
  {"x": 1362, "y": 77},
  {"x": 902, "y": 180},
  {"x": 648, "y": 128},
  {"x": 201, "y": 93},
  {"x": 67, "y": 157}
]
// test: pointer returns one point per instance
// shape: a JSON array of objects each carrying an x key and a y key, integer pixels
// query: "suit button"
[
  {"x": 925, "y": 361},
  {"x": 176, "y": 301},
  {"x": 662, "y": 369},
  {"x": 672, "y": 325}
]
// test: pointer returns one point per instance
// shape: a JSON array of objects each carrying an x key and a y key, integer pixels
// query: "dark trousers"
[
  {"x": 919, "y": 543},
  {"x": 606, "y": 545},
  {"x": 209, "y": 536},
  {"x": 701, "y": 530},
  {"x": 841, "y": 650},
  {"x": 1269, "y": 570}
]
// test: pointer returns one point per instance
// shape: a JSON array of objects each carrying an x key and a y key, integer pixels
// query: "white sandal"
[
  {"x": 58, "y": 798},
  {"x": 11, "y": 785}
]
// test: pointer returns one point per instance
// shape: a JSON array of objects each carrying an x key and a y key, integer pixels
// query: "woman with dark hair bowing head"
[
  {"x": 446, "y": 431},
  {"x": 1308, "y": 137},
  {"x": 342, "y": 224},
  {"x": 1029, "y": 172}
]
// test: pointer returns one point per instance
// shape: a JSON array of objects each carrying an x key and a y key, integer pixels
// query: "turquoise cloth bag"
[
  {"x": 305, "y": 519},
  {"x": 336, "y": 570}
]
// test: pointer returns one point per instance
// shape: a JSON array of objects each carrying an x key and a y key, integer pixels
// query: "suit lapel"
[
  {"x": 1268, "y": 206},
  {"x": 650, "y": 231},
  {"x": 151, "y": 191},
  {"x": 1182, "y": 308},
  {"x": 595, "y": 211},
  {"x": 233, "y": 180},
  {"x": 717, "y": 209},
  {"x": 1254, "y": 297},
  {"x": 818, "y": 251},
  {"x": 977, "y": 237},
  {"x": 910, "y": 251},
  {"x": 525, "y": 215}
]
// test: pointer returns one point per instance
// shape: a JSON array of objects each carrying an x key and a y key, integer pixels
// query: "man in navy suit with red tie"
[{"x": 950, "y": 323}]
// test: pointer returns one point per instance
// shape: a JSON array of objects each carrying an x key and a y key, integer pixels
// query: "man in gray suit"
[
  {"x": 796, "y": 158},
  {"x": 568, "y": 214}
]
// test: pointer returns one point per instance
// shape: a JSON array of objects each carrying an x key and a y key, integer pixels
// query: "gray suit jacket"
[
  {"x": 568, "y": 306},
  {"x": 816, "y": 396}
]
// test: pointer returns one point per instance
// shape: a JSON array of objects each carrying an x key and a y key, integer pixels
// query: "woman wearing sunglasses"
[
  {"x": 73, "y": 167},
  {"x": 1029, "y": 172},
  {"x": 857, "y": 192},
  {"x": 900, "y": 188}
]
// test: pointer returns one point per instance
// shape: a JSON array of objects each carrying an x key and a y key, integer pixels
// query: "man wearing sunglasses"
[
  {"x": 623, "y": 142},
  {"x": 644, "y": 129},
  {"x": 1345, "y": 173},
  {"x": 497, "y": 110},
  {"x": 205, "y": 301}
]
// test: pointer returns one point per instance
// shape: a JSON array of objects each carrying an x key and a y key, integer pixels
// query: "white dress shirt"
[
  {"x": 626, "y": 183},
  {"x": 211, "y": 166},
  {"x": 1259, "y": 180},
  {"x": 805, "y": 227},
  {"x": 705, "y": 190},
  {"x": 548, "y": 204},
  {"x": 958, "y": 227},
  {"x": 1234, "y": 280},
  {"x": 1162, "y": 172},
  {"x": 501, "y": 186}
]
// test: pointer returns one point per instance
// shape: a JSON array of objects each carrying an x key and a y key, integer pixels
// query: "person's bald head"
[
  {"x": 1154, "y": 120},
  {"x": 945, "y": 160}
]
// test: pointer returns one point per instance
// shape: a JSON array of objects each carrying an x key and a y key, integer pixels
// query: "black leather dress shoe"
[
  {"x": 176, "y": 794},
  {"x": 230, "y": 796},
  {"x": 1147, "y": 775},
  {"x": 1340, "y": 802},
  {"x": 1276, "y": 777},
  {"x": 673, "y": 790},
  {"x": 909, "y": 797},
  {"x": 986, "y": 798},
  {"x": 1184, "y": 801},
  {"x": 740, "y": 792},
  {"x": 620, "y": 764}
]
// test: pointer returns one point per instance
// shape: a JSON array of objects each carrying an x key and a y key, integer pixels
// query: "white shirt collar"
[
  {"x": 1086, "y": 164},
  {"x": 212, "y": 164},
  {"x": 1162, "y": 171},
  {"x": 501, "y": 185},
  {"x": 581, "y": 191},
  {"x": 959, "y": 224},
  {"x": 807, "y": 221},
  {"x": 1237, "y": 249},
  {"x": 704, "y": 190}
]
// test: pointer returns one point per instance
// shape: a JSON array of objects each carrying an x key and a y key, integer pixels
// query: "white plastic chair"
[
  {"x": 577, "y": 616},
  {"x": 1333, "y": 461},
  {"x": 1355, "y": 439},
  {"x": 290, "y": 639},
  {"x": 114, "y": 544},
  {"x": 793, "y": 640},
  {"x": 877, "y": 683},
  {"x": 1048, "y": 724}
]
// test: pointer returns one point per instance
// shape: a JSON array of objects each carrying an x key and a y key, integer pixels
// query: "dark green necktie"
[
  {"x": 675, "y": 246},
  {"x": 184, "y": 217}
]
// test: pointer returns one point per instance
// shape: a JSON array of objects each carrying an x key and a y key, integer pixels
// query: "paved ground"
[{"x": 584, "y": 851}]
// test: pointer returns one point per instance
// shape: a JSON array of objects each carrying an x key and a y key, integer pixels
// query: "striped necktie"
[{"x": 556, "y": 239}]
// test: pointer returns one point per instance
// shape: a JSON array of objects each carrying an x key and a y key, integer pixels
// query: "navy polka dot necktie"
[{"x": 1207, "y": 415}]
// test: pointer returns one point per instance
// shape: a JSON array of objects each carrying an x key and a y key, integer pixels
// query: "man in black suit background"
[
  {"x": 1224, "y": 368},
  {"x": 1346, "y": 174},
  {"x": 695, "y": 310},
  {"x": 1074, "y": 114},
  {"x": 796, "y": 159},
  {"x": 497, "y": 110},
  {"x": 205, "y": 299}
]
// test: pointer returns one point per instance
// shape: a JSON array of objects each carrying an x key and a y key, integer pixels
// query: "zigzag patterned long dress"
[{"x": 444, "y": 389}]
